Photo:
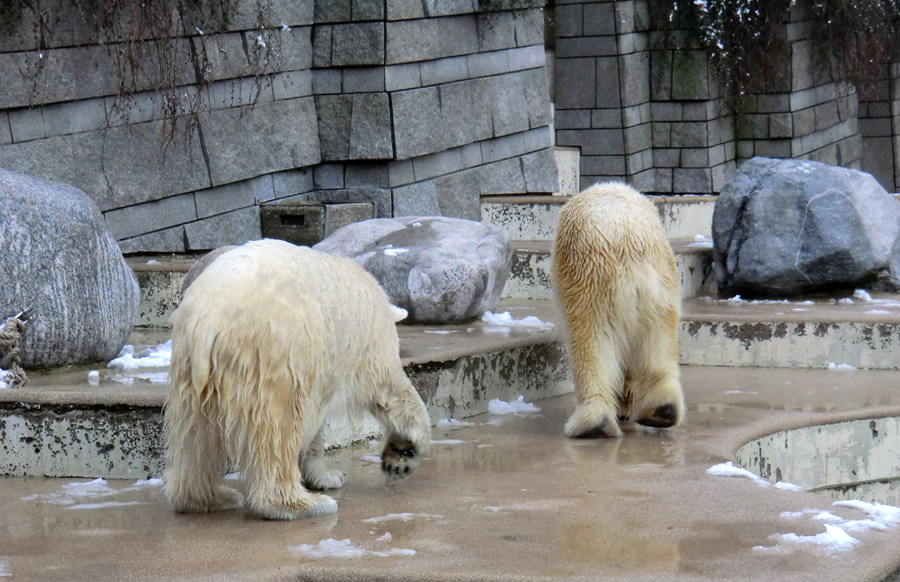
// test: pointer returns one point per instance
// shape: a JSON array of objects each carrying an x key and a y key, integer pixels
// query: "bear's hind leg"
[
  {"x": 596, "y": 364},
  {"x": 274, "y": 484},
  {"x": 655, "y": 384},
  {"x": 316, "y": 475},
  {"x": 196, "y": 456}
]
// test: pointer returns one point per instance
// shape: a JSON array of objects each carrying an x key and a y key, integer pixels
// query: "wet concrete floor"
[{"x": 505, "y": 498}]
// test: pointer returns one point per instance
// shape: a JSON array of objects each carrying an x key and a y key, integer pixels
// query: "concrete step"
[
  {"x": 535, "y": 217},
  {"x": 801, "y": 333},
  {"x": 506, "y": 498},
  {"x": 531, "y": 274},
  {"x": 60, "y": 424}
]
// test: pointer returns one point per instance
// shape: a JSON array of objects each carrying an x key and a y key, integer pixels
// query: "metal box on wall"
[{"x": 308, "y": 222}]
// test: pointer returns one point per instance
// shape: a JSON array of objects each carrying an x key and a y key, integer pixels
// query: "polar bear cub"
[
  {"x": 616, "y": 284},
  {"x": 268, "y": 339}
]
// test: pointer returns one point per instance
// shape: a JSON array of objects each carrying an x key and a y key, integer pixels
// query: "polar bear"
[
  {"x": 268, "y": 339},
  {"x": 615, "y": 282}
]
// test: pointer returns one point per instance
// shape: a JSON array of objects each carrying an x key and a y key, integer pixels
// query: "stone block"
[
  {"x": 485, "y": 64},
  {"x": 773, "y": 148},
  {"x": 321, "y": 45},
  {"x": 588, "y": 46},
  {"x": 529, "y": 25},
  {"x": 569, "y": 19},
  {"x": 233, "y": 228},
  {"x": 661, "y": 75},
  {"x": 599, "y": 19},
  {"x": 224, "y": 55},
  {"x": 471, "y": 155},
  {"x": 334, "y": 117},
  {"x": 603, "y": 165},
  {"x": 362, "y": 10},
  {"x": 605, "y": 119},
  {"x": 801, "y": 65},
  {"x": 74, "y": 117},
  {"x": 635, "y": 76},
  {"x": 459, "y": 196},
  {"x": 690, "y": 76},
  {"x": 509, "y": 106},
  {"x": 380, "y": 197},
  {"x": 292, "y": 84},
  {"x": 370, "y": 127},
  {"x": 661, "y": 134},
  {"x": 5, "y": 131},
  {"x": 877, "y": 127},
  {"x": 326, "y": 81},
  {"x": 593, "y": 142},
  {"x": 229, "y": 197},
  {"x": 447, "y": 7},
  {"x": 608, "y": 87},
  {"x": 333, "y": 11},
  {"x": 151, "y": 216},
  {"x": 666, "y": 158},
  {"x": 292, "y": 182},
  {"x": 692, "y": 180},
  {"x": 576, "y": 83},
  {"x": 463, "y": 119},
  {"x": 496, "y": 31},
  {"x": 503, "y": 177},
  {"x": 539, "y": 172},
  {"x": 417, "y": 126},
  {"x": 537, "y": 97},
  {"x": 240, "y": 92},
  {"x": 637, "y": 138},
  {"x": 423, "y": 40},
  {"x": 694, "y": 158},
  {"x": 328, "y": 176},
  {"x": 537, "y": 139},
  {"x": 777, "y": 103},
  {"x": 752, "y": 126},
  {"x": 803, "y": 99},
  {"x": 502, "y": 147},
  {"x": 342, "y": 214},
  {"x": 576, "y": 118},
  {"x": 803, "y": 122},
  {"x": 27, "y": 124},
  {"x": 418, "y": 199},
  {"x": 666, "y": 111},
  {"x": 437, "y": 164},
  {"x": 400, "y": 173},
  {"x": 689, "y": 134},
  {"x": 780, "y": 125},
  {"x": 826, "y": 115},
  {"x": 444, "y": 70},
  {"x": 357, "y": 44},
  {"x": 298, "y": 222},
  {"x": 170, "y": 240},
  {"x": 367, "y": 175},
  {"x": 405, "y": 9},
  {"x": 399, "y": 77},
  {"x": 529, "y": 57},
  {"x": 363, "y": 79}
]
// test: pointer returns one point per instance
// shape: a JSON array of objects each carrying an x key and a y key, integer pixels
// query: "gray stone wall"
[
  {"x": 643, "y": 103},
  {"x": 417, "y": 106}
]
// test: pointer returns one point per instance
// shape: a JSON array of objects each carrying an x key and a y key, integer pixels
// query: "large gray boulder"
[
  {"x": 58, "y": 258},
  {"x": 788, "y": 227},
  {"x": 441, "y": 270}
]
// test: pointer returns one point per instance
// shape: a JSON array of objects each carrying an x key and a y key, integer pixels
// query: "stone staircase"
[{"x": 65, "y": 426}]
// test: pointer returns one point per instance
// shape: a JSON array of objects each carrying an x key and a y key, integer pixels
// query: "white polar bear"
[
  {"x": 615, "y": 281},
  {"x": 268, "y": 339}
]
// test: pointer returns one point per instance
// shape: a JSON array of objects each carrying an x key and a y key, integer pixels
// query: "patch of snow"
[
  {"x": 65, "y": 495},
  {"x": 285, "y": 27},
  {"x": 4, "y": 569},
  {"x": 394, "y": 252},
  {"x": 448, "y": 442},
  {"x": 832, "y": 539},
  {"x": 142, "y": 483},
  {"x": 702, "y": 241},
  {"x": 730, "y": 470},
  {"x": 370, "y": 458},
  {"x": 6, "y": 379},
  {"x": 505, "y": 319},
  {"x": 798, "y": 309},
  {"x": 330, "y": 548},
  {"x": 441, "y": 331},
  {"x": 94, "y": 377},
  {"x": 152, "y": 262},
  {"x": 493, "y": 508},
  {"x": 401, "y": 517},
  {"x": 841, "y": 367},
  {"x": 784, "y": 486},
  {"x": 235, "y": 475},
  {"x": 862, "y": 295},
  {"x": 828, "y": 517},
  {"x": 790, "y": 514},
  {"x": 735, "y": 299},
  {"x": 104, "y": 504},
  {"x": 884, "y": 516},
  {"x": 878, "y": 311},
  {"x": 846, "y": 301},
  {"x": 517, "y": 406},
  {"x": 452, "y": 422},
  {"x": 740, "y": 392},
  {"x": 158, "y": 357},
  {"x": 386, "y": 537}
]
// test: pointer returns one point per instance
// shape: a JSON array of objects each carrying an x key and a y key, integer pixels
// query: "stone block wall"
[
  {"x": 417, "y": 106},
  {"x": 644, "y": 104}
]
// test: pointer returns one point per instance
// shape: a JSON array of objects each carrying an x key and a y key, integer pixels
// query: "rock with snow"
[
  {"x": 788, "y": 227},
  {"x": 59, "y": 259},
  {"x": 441, "y": 270}
]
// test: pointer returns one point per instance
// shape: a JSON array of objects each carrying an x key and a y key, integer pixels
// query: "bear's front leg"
[
  {"x": 316, "y": 475},
  {"x": 400, "y": 457}
]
